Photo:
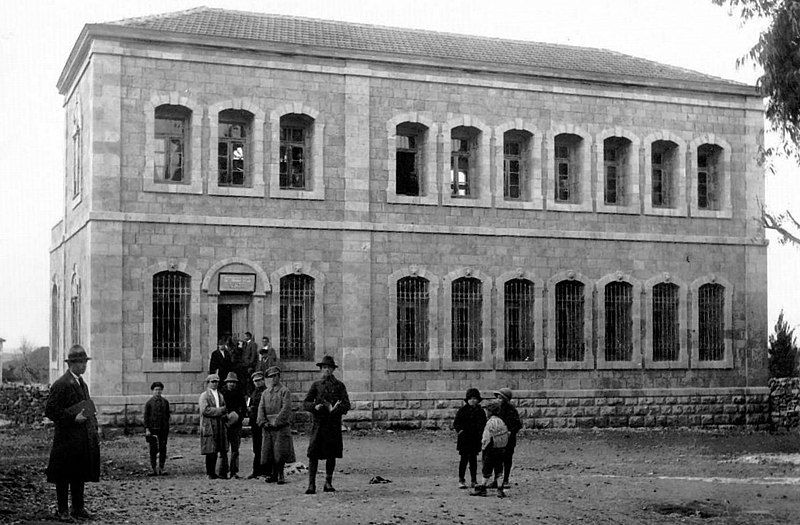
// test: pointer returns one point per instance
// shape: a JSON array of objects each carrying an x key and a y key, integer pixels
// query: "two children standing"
[{"x": 494, "y": 437}]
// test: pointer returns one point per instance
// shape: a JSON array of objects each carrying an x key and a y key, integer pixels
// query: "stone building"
[{"x": 437, "y": 211}]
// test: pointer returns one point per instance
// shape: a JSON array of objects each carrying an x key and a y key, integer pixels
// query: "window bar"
[
  {"x": 711, "y": 306},
  {"x": 665, "y": 322},
  {"x": 519, "y": 335},
  {"x": 297, "y": 317},
  {"x": 618, "y": 336},
  {"x": 412, "y": 319},
  {"x": 466, "y": 319},
  {"x": 569, "y": 321}
]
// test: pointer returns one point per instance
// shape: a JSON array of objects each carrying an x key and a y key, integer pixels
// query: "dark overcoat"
[
  {"x": 510, "y": 417},
  {"x": 75, "y": 455},
  {"x": 469, "y": 423},
  {"x": 325, "y": 440},
  {"x": 220, "y": 364}
]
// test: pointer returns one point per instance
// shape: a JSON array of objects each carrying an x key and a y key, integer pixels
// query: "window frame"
[
  {"x": 304, "y": 124},
  {"x": 579, "y": 161},
  {"x": 537, "y": 363},
  {"x": 727, "y": 319},
  {"x": 636, "y": 322},
  {"x": 315, "y": 137},
  {"x": 485, "y": 363},
  {"x": 426, "y": 169},
  {"x": 185, "y": 317},
  {"x": 724, "y": 178},
  {"x": 231, "y": 145},
  {"x": 588, "y": 318},
  {"x": 631, "y": 172},
  {"x": 683, "y": 355},
  {"x": 434, "y": 351},
  {"x": 531, "y": 157},
  {"x": 172, "y": 114},
  {"x": 75, "y": 311},
  {"x": 254, "y": 158},
  {"x": 480, "y": 165},
  {"x": 679, "y": 207}
]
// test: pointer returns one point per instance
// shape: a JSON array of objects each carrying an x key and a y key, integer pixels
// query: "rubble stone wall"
[{"x": 784, "y": 402}]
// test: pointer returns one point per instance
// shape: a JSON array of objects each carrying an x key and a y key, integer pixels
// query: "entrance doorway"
[{"x": 233, "y": 316}]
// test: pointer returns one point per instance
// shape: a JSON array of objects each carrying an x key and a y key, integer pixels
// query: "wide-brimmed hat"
[
  {"x": 256, "y": 376},
  {"x": 327, "y": 360},
  {"x": 273, "y": 371},
  {"x": 473, "y": 392},
  {"x": 232, "y": 377},
  {"x": 77, "y": 354},
  {"x": 505, "y": 393},
  {"x": 212, "y": 377}
]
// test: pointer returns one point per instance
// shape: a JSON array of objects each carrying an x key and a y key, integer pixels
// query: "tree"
[
  {"x": 782, "y": 350},
  {"x": 31, "y": 366},
  {"x": 777, "y": 51}
]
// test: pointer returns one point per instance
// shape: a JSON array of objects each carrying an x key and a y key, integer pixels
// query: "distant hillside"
[{"x": 26, "y": 366}]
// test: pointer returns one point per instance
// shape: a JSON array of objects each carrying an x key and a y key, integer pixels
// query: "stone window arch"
[
  {"x": 617, "y": 169},
  {"x": 712, "y": 322},
  {"x": 569, "y": 345},
  {"x": 518, "y": 142},
  {"x": 465, "y": 160},
  {"x": 519, "y": 307},
  {"x": 413, "y": 295},
  {"x": 567, "y": 170},
  {"x": 411, "y": 138},
  {"x": 173, "y": 107},
  {"x": 297, "y": 272},
  {"x": 665, "y": 300},
  {"x": 242, "y": 123},
  {"x": 710, "y": 177},
  {"x": 467, "y": 291},
  {"x": 297, "y": 116},
  {"x": 619, "y": 321},
  {"x": 664, "y": 175}
]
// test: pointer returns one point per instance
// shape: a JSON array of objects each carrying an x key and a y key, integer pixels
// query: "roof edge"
[{"x": 111, "y": 31}]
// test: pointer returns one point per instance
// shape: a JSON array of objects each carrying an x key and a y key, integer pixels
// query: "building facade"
[{"x": 436, "y": 211}]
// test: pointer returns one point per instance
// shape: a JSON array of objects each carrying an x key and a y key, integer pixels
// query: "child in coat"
[
  {"x": 469, "y": 423},
  {"x": 156, "y": 427},
  {"x": 493, "y": 444}
]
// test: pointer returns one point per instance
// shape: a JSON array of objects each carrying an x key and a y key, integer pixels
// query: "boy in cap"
[
  {"x": 252, "y": 415},
  {"x": 75, "y": 455},
  {"x": 510, "y": 417},
  {"x": 235, "y": 403},
  {"x": 275, "y": 417},
  {"x": 156, "y": 427},
  {"x": 493, "y": 443},
  {"x": 213, "y": 440},
  {"x": 469, "y": 422}
]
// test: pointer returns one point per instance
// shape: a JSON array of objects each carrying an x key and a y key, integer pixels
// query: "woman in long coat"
[
  {"x": 327, "y": 401},
  {"x": 275, "y": 417},
  {"x": 213, "y": 440}
]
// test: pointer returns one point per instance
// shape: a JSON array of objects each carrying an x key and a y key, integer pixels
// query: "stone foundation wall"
[
  {"x": 708, "y": 408},
  {"x": 784, "y": 402},
  {"x": 22, "y": 404}
]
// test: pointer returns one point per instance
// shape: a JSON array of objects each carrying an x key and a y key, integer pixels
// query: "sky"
[{"x": 36, "y": 37}]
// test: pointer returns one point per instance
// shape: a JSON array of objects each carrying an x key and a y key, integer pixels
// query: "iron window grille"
[
  {"x": 407, "y": 162},
  {"x": 519, "y": 334},
  {"x": 461, "y": 154},
  {"x": 569, "y": 321},
  {"x": 711, "y": 310},
  {"x": 666, "y": 344},
  {"x": 512, "y": 170},
  {"x": 170, "y": 134},
  {"x": 293, "y": 160},
  {"x": 232, "y": 148},
  {"x": 171, "y": 316},
  {"x": 467, "y": 321},
  {"x": 707, "y": 178},
  {"x": 619, "y": 324},
  {"x": 297, "y": 317},
  {"x": 412, "y": 319}
]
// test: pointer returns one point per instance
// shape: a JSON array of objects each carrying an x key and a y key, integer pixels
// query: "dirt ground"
[{"x": 592, "y": 477}]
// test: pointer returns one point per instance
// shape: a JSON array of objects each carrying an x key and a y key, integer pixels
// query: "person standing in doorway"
[
  {"x": 213, "y": 441},
  {"x": 235, "y": 404},
  {"x": 327, "y": 401},
  {"x": 75, "y": 454},
  {"x": 156, "y": 427},
  {"x": 255, "y": 430}
]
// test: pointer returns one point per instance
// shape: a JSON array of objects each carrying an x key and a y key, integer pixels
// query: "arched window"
[
  {"x": 711, "y": 322},
  {"x": 412, "y": 319},
  {"x": 467, "y": 319},
  {"x": 171, "y": 316},
  {"x": 519, "y": 320},
  {"x": 568, "y": 167},
  {"x": 516, "y": 164},
  {"x": 75, "y": 312},
  {"x": 618, "y": 321},
  {"x": 664, "y": 174},
  {"x": 171, "y": 129},
  {"x": 295, "y": 153},
  {"x": 709, "y": 177},
  {"x": 569, "y": 321},
  {"x": 233, "y": 148},
  {"x": 666, "y": 338},
  {"x": 464, "y": 145},
  {"x": 297, "y": 317}
]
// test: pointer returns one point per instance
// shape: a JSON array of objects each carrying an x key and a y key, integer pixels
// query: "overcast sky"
[{"x": 36, "y": 37}]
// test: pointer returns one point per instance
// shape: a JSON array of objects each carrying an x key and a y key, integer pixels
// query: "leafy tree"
[
  {"x": 782, "y": 350},
  {"x": 777, "y": 51},
  {"x": 31, "y": 366}
]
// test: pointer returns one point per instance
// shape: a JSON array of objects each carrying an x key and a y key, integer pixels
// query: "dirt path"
[{"x": 593, "y": 477}]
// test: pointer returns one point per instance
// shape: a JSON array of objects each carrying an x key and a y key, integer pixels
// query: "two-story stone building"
[{"x": 437, "y": 211}]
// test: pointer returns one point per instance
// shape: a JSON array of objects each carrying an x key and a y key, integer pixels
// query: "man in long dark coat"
[
  {"x": 221, "y": 361},
  {"x": 75, "y": 456},
  {"x": 255, "y": 430},
  {"x": 327, "y": 401}
]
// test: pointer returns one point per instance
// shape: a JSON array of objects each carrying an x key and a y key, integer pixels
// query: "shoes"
[
  {"x": 63, "y": 515},
  {"x": 501, "y": 493},
  {"x": 492, "y": 485},
  {"x": 151, "y": 474},
  {"x": 281, "y": 481},
  {"x": 479, "y": 490},
  {"x": 161, "y": 471},
  {"x": 462, "y": 484},
  {"x": 328, "y": 487},
  {"x": 82, "y": 514},
  {"x": 213, "y": 476},
  {"x": 472, "y": 484},
  {"x": 312, "y": 489},
  {"x": 235, "y": 476},
  {"x": 270, "y": 479}
]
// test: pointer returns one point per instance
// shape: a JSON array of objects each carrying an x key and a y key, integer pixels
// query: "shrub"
[{"x": 782, "y": 350}]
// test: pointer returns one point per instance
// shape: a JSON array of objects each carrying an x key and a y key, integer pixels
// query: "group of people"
[{"x": 75, "y": 454}]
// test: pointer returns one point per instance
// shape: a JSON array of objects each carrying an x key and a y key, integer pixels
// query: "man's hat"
[
  {"x": 212, "y": 377},
  {"x": 327, "y": 360},
  {"x": 504, "y": 392},
  {"x": 256, "y": 376},
  {"x": 273, "y": 371},
  {"x": 231, "y": 377},
  {"x": 77, "y": 354},
  {"x": 473, "y": 392}
]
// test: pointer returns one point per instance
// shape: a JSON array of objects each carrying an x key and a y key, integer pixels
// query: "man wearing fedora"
[
  {"x": 213, "y": 420},
  {"x": 75, "y": 455},
  {"x": 327, "y": 401},
  {"x": 510, "y": 417},
  {"x": 235, "y": 403},
  {"x": 275, "y": 418}
]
